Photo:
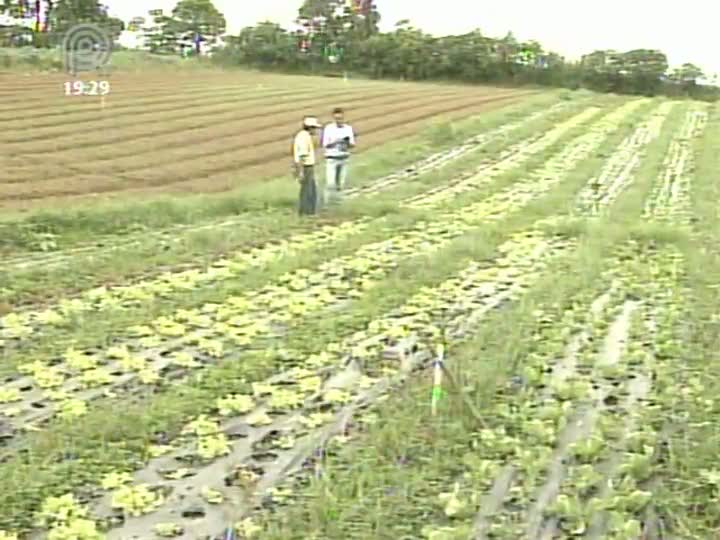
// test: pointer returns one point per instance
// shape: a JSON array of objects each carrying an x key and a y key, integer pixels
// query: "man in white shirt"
[{"x": 337, "y": 139}]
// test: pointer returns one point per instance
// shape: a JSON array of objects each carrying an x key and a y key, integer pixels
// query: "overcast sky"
[{"x": 685, "y": 30}]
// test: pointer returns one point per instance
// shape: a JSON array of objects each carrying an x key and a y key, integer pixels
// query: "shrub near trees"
[{"x": 409, "y": 53}]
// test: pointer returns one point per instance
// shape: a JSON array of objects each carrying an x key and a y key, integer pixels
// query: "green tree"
[
  {"x": 162, "y": 34},
  {"x": 329, "y": 22},
  {"x": 407, "y": 52},
  {"x": 67, "y": 13},
  {"x": 12, "y": 8},
  {"x": 686, "y": 77},
  {"x": 268, "y": 43},
  {"x": 644, "y": 69},
  {"x": 60, "y": 16},
  {"x": 14, "y": 35},
  {"x": 198, "y": 18}
]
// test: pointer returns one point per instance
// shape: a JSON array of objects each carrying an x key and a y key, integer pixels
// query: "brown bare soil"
[{"x": 190, "y": 133}]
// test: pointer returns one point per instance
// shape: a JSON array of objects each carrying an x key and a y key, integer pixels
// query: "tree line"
[
  {"x": 343, "y": 36},
  {"x": 52, "y": 19},
  {"x": 336, "y": 39}
]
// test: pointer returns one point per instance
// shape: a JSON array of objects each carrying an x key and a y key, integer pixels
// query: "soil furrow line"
[
  {"x": 222, "y": 127},
  {"x": 210, "y": 94},
  {"x": 132, "y": 89},
  {"x": 126, "y": 98},
  {"x": 123, "y": 104},
  {"x": 88, "y": 112},
  {"x": 189, "y": 170},
  {"x": 219, "y": 141},
  {"x": 170, "y": 124}
]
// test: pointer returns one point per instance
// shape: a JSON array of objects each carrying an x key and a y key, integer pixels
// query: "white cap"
[{"x": 311, "y": 121}]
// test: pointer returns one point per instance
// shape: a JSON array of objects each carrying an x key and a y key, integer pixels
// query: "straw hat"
[{"x": 311, "y": 121}]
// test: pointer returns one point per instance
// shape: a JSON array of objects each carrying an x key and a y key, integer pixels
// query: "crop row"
[
  {"x": 576, "y": 151},
  {"x": 516, "y": 520},
  {"x": 560, "y": 434},
  {"x": 618, "y": 173},
  {"x": 266, "y": 432},
  {"x": 83, "y": 370},
  {"x": 518, "y": 153},
  {"x": 335, "y": 394},
  {"x": 476, "y": 142},
  {"x": 670, "y": 198},
  {"x": 490, "y": 206},
  {"x": 509, "y": 438},
  {"x": 574, "y": 435},
  {"x": 522, "y": 435},
  {"x": 22, "y": 325}
]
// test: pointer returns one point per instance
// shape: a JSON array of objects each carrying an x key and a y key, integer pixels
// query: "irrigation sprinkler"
[
  {"x": 437, "y": 379},
  {"x": 440, "y": 372}
]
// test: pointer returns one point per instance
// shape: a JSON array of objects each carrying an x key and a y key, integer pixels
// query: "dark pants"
[{"x": 308, "y": 191}]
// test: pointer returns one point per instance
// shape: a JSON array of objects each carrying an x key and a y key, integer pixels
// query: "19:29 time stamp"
[{"x": 89, "y": 88}]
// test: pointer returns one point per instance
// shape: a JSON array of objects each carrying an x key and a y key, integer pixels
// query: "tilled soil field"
[{"x": 202, "y": 134}]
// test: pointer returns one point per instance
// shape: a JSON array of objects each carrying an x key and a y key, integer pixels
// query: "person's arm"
[
  {"x": 300, "y": 152},
  {"x": 352, "y": 137}
]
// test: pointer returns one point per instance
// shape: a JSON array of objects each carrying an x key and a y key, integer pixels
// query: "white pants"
[{"x": 335, "y": 177}]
